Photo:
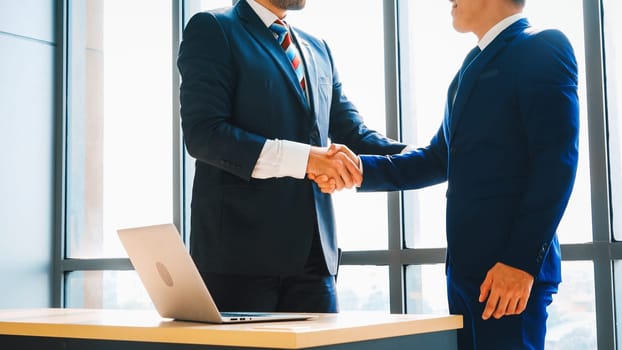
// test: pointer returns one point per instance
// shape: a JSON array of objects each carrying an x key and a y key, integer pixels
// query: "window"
[
  {"x": 613, "y": 45},
  {"x": 426, "y": 289},
  {"x": 363, "y": 288},
  {"x": 423, "y": 93},
  {"x": 572, "y": 315},
  {"x": 361, "y": 217},
  {"x": 119, "y": 130},
  {"x": 363, "y": 83},
  {"x": 105, "y": 290},
  {"x": 122, "y": 149}
]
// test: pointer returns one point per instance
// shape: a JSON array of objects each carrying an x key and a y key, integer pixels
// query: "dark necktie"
[
  {"x": 285, "y": 40},
  {"x": 468, "y": 59},
  {"x": 465, "y": 65}
]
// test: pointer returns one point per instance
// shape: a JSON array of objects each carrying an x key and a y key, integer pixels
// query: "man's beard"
[{"x": 289, "y": 4}]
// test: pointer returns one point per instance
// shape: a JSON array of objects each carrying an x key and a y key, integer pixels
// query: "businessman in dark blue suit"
[
  {"x": 507, "y": 148},
  {"x": 262, "y": 234}
]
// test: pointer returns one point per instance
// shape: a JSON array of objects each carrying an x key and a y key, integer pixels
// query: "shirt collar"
[
  {"x": 496, "y": 29},
  {"x": 266, "y": 16}
]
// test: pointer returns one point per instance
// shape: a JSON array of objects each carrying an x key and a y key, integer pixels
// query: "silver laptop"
[{"x": 173, "y": 282}]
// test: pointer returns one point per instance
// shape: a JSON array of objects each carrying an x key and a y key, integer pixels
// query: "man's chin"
[
  {"x": 289, "y": 4},
  {"x": 459, "y": 28}
]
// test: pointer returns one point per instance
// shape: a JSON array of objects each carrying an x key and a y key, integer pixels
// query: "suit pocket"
[{"x": 488, "y": 74}]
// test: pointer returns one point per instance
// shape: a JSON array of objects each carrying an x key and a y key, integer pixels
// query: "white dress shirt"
[{"x": 492, "y": 33}]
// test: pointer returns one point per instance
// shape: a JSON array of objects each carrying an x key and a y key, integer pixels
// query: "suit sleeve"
[
  {"x": 347, "y": 125},
  {"x": 207, "y": 88},
  {"x": 412, "y": 170},
  {"x": 547, "y": 98}
]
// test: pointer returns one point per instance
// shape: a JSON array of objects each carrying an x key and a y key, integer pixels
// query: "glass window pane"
[
  {"x": 363, "y": 83},
  {"x": 214, "y": 4},
  {"x": 191, "y": 7},
  {"x": 423, "y": 98},
  {"x": 572, "y": 315},
  {"x": 105, "y": 290},
  {"x": 426, "y": 289},
  {"x": 363, "y": 288},
  {"x": 617, "y": 270},
  {"x": 119, "y": 150},
  {"x": 613, "y": 44}
]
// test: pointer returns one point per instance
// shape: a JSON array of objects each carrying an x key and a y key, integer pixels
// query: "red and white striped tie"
[{"x": 285, "y": 40}]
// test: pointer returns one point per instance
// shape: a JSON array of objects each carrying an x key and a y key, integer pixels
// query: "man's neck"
[
  {"x": 493, "y": 32},
  {"x": 496, "y": 16}
]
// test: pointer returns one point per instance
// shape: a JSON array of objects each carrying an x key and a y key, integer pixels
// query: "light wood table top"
[{"x": 148, "y": 326}]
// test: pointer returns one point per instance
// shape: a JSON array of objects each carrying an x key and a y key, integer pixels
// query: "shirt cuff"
[
  {"x": 280, "y": 158},
  {"x": 294, "y": 159}
]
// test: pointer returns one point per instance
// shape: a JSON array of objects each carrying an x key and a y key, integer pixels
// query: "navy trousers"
[
  {"x": 312, "y": 290},
  {"x": 524, "y": 331},
  {"x": 295, "y": 293}
]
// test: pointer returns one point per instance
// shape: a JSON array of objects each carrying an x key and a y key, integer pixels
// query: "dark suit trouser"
[
  {"x": 312, "y": 290},
  {"x": 524, "y": 331}
]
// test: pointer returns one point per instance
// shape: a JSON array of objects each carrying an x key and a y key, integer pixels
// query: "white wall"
[{"x": 27, "y": 50}]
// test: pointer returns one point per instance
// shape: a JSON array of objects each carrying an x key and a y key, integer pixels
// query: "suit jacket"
[
  {"x": 507, "y": 148},
  {"x": 239, "y": 89}
]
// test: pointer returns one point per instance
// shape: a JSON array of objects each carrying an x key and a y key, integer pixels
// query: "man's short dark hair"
[{"x": 519, "y": 2}]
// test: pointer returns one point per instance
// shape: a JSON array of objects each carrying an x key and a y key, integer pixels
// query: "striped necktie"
[{"x": 285, "y": 40}]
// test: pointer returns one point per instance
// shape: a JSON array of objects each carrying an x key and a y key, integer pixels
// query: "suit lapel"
[
  {"x": 451, "y": 97},
  {"x": 256, "y": 28},
  {"x": 308, "y": 60},
  {"x": 471, "y": 75}
]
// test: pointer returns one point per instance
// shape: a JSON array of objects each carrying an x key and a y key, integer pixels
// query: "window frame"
[{"x": 602, "y": 251}]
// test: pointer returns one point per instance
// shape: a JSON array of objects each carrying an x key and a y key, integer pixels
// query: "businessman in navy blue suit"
[
  {"x": 262, "y": 234},
  {"x": 507, "y": 148}
]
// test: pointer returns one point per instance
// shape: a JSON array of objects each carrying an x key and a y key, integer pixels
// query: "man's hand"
[
  {"x": 333, "y": 168},
  {"x": 325, "y": 183},
  {"x": 506, "y": 290}
]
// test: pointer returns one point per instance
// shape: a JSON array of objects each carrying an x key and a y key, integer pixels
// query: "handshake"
[{"x": 334, "y": 168}]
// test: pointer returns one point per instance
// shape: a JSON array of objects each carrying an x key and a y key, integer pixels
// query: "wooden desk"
[{"x": 120, "y": 329}]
